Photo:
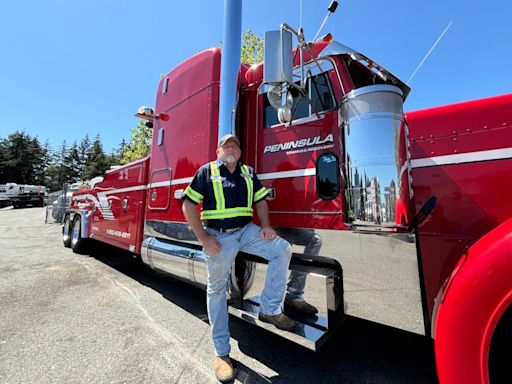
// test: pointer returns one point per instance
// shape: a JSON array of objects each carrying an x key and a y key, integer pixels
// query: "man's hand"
[
  {"x": 267, "y": 233},
  {"x": 210, "y": 245}
]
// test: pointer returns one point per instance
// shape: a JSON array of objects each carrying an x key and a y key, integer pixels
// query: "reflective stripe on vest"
[
  {"x": 226, "y": 213},
  {"x": 221, "y": 212},
  {"x": 248, "y": 180},
  {"x": 260, "y": 194},
  {"x": 194, "y": 195},
  {"x": 217, "y": 186}
]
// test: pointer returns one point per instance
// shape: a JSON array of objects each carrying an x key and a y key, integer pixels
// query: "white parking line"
[{"x": 53, "y": 226}]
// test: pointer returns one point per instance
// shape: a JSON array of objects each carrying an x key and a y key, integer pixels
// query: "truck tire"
[
  {"x": 66, "y": 231},
  {"x": 499, "y": 355},
  {"x": 78, "y": 245}
]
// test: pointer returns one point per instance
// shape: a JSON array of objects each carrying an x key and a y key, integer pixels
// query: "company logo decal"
[
  {"x": 101, "y": 203},
  {"x": 302, "y": 145}
]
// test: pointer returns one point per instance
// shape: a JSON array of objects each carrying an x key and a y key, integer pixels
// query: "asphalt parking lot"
[{"x": 104, "y": 318}]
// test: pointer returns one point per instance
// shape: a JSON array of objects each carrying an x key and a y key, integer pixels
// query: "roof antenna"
[
  {"x": 300, "y": 14},
  {"x": 332, "y": 8},
  {"x": 430, "y": 51}
]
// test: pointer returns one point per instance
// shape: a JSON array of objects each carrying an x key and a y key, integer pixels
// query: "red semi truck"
[{"x": 412, "y": 212}]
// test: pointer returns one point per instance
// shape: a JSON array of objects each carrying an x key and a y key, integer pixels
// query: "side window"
[
  {"x": 320, "y": 92},
  {"x": 327, "y": 176},
  {"x": 269, "y": 113},
  {"x": 300, "y": 106}
]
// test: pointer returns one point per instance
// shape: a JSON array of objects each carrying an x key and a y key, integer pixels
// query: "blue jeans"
[{"x": 278, "y": 252}]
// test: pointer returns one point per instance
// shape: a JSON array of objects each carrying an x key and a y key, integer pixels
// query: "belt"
[{"x": 224, "y": 230}]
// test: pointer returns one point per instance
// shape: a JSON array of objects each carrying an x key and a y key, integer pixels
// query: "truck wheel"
[
  {"x": 66, "y": 232},
  {"x": 78, "y": 245},
  {"x": 499, "y": 355}
]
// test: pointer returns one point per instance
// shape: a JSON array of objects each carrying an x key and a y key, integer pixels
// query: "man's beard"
[{"x": 230, "y": 159}]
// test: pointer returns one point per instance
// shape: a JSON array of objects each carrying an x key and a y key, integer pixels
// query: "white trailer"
[{"x": 20, "y": 195}]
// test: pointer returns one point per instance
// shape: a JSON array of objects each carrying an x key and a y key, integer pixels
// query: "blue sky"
[{"x": 72, "y": 67}]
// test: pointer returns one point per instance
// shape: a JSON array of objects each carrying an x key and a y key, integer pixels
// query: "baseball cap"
[{"x": 224, "y": 139}]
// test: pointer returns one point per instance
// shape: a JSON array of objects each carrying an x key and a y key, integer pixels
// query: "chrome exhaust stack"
[{"x": 230, "y": 66}]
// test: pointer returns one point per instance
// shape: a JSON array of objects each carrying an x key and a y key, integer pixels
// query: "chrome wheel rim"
[
  {"x": 76, "y": 233},
  {"x": 65, "y": 231}
]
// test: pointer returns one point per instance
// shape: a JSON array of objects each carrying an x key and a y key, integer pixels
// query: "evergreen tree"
[
  {"x": 58, "y": 161},
  {"x": 71, "y": 165},
  {"x": 60, "y": 154},
  {"x": 113, "y": 158},
  {"x": 97, "y": 161},
  {"x": 83, "y": 150},
  {"x": 121, "y": 150},
  {"x": 42, "y": 163},
  {"x": 20, "y": 159},
  {"x": 3, "y": 160},
  {"x": 52, "y": 178}
]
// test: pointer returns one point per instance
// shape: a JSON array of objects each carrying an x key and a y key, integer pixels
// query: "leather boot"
[
  {"x": 300, "y": 306},
  {"x": 281, "y": 321},
  {"x": 224, "y": 369}
]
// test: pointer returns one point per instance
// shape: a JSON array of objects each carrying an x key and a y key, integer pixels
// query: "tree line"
[{"x": 25, "y": 160}]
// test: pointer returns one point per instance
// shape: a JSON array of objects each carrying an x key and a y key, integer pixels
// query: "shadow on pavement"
[{"x": 360, "y": 352}]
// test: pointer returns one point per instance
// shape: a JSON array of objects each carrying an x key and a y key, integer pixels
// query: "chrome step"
[
  {"x": 323, "y": 289},
  {"x": 322, "y": 281},
  {"x": 311, "y": 334}
]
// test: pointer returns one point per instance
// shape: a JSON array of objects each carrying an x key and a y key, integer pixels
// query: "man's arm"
[
  {"x": 209, "y": 243},
  {"x": 267, "y": 233}
]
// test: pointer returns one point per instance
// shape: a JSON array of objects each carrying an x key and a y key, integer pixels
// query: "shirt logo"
[{"x": 228, "y": 184}]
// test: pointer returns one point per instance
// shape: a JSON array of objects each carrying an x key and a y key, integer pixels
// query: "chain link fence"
[{"x": 58, "y": 202}]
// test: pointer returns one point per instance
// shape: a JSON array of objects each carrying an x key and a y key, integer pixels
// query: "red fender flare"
[{"x": 475, "y": 296}]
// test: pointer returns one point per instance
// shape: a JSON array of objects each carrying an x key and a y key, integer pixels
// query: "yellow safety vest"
[{"x": 220, "y": 211}]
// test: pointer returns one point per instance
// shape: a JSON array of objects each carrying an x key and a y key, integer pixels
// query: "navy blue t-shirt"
[{"x": 235, "y": 193}]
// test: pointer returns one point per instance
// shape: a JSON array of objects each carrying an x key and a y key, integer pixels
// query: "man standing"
[{"x": 228, "y": 191}]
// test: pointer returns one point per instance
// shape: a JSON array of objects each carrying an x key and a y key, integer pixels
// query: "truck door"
[{"x": 300, "y": 161}]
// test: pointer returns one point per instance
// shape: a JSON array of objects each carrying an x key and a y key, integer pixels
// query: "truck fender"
[
  {"x": 85, "y": 216},
  {"x": 469, "y": 307}
]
